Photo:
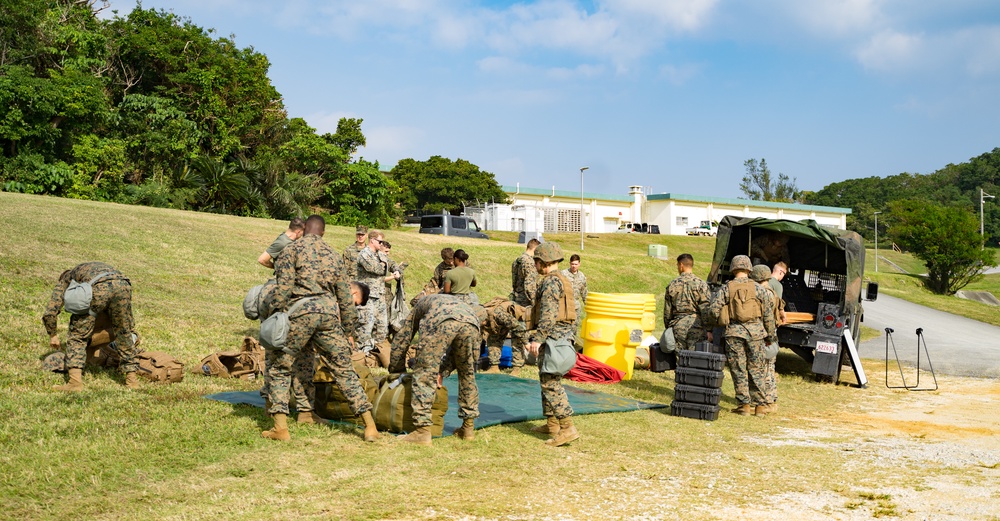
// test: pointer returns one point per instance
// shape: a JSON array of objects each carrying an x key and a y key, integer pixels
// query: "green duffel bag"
[
  {"x": 393, "y": 410},
  {"x": 330, "y": 402},
  {"x": 560, "y": 356}
]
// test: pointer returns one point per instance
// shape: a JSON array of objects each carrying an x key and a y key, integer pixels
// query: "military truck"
[{"x": 824, "y": 279}]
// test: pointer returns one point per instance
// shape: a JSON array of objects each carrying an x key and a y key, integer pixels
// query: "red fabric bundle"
[{"x": 588, "y": 370}]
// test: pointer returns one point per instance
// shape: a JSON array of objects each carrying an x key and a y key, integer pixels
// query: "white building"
[{"x": 551, "y": 210}]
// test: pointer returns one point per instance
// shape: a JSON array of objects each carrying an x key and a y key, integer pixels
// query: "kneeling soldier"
[{"x": 449, "y": 337}]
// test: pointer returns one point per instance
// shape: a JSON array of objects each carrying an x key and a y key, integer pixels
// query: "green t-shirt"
[
  {"x": 461, "y": 279},
  {"x": 279, "y": 244}
]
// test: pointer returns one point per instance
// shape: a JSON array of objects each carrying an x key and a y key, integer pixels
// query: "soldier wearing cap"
[
  {"x": 374, "y": 269},
  {"x": 524, "y": 284},
  {"x": 746, "y": 310},
  {"x": 352, "y": 250},
  {"x": 553, "y": 316}
]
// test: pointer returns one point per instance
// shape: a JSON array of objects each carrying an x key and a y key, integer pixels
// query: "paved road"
[{"x": 957, "y": 345}]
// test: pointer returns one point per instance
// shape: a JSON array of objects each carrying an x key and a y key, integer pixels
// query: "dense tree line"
[
  {"x": 149, "y": 108},
  {"x": 954, "y": 186}
]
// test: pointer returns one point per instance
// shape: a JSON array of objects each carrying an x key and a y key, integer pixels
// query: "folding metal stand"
[{"x": 899, "y": 365}]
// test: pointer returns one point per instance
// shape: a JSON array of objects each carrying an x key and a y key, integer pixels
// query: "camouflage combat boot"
[
  {"x": 310, "y": 418},
  {"x": 371, "y": 431},
  {"x": 744, "y": 410},
  {"x": 75, "y": 382},
  {"x": 280, "y": 429},
  {"x": 131, "y": 380},
  {"x": 550, "y": 427},
  {"x": 421, "y": 436},
  {"x": 567, "y": 433},
  {"x": 467, "y": 430}
]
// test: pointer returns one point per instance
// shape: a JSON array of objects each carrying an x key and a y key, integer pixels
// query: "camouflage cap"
[
  {"x": 359, "y": 229},
  {"x": 760, "y": 273},
  {"x": 55, "y": 362},
  {"x": 741, "y": 262},
  {"x": 549, "y": 252}
]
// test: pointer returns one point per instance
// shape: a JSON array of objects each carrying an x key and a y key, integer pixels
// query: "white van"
[{"x": 452, "y": 225}]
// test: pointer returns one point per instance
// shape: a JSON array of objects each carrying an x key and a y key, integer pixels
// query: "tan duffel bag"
[
  {"x": 393, "y": 410},
  {"x": 330, "y": 402},
  {"x": 158, "y": 366}
]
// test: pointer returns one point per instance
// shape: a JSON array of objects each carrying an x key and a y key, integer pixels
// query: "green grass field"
[{"x": 164, "y": 452}]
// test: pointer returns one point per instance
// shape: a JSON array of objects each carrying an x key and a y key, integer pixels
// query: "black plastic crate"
[
  {"x": 709, "y": 347},
  {"x": 699, "y": 377},
  {"x": 660, "y": 361},
  {"x": 701, "y": 360},
  {"x": 694, "y": 394},
  {"x": 697, "y": 411}
]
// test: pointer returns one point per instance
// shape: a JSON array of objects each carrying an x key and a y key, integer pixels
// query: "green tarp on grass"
[{"x": 502, "y": 399}]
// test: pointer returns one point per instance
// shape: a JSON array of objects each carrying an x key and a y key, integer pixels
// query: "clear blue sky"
[{"x": 669, "y": 94}]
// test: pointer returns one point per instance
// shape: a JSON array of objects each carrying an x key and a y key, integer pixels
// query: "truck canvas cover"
[{"x": 810, "y": 247}]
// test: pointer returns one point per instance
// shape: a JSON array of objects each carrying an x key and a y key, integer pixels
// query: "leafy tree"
[
  {"x": 348, "y": 136},
  {"x": 441, "y": 184},
  {"x": 945, "y": 238},
  {"x": 362, "y": 194},
  {"x": 758, "y": 185}
]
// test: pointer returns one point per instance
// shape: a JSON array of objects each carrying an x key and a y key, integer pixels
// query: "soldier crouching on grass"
[
  {"x": 449, "y": 338},
  {"x": 112, "y": 293},
  {"x": 309, "y": 269}
]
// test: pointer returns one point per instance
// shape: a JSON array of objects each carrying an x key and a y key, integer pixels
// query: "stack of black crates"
[{"x": 698, "y": 377}]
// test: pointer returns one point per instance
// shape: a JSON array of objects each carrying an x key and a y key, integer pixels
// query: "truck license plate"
[{"x": 826, "y": 347}]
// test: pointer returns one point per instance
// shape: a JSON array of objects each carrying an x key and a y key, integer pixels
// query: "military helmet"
[
  {"x": 760, "y": 273},
  {"x": 741, "y": 262},
  {"x": 55, "y": 362},
  {"x": 549, "y": 252}
]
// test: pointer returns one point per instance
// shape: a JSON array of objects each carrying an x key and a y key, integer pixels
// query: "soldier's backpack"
[
  {"x": 158, "y": 366},
  {"x": 78, "y": 295},
  {"x": 743, "y": 303},
  {"x": 274, "y": 329},
  {"x": 245, "y": 364},
  {"x": 393, "y": 411},
  {"x": 330, "y": 401},
  {"x": 257, "y": 302}
]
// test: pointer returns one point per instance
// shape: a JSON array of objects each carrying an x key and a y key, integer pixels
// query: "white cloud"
[
  {"x": 687, "y": 15},
  {"x": 891, "y": 51},
  {"x": 393, "y": 142},
  {"x": 837, "y": 18},
  {"x": 680, "y": 74},
  {"x": 971, "y": 52}
]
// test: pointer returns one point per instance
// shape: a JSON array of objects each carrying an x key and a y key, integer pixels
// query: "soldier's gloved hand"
[{"x": 54, "y": 342}]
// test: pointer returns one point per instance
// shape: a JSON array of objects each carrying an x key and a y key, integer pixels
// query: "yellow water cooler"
[{"x": 615, "y": 326}]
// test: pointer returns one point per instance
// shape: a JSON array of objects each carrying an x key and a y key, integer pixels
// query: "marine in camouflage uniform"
[
  {"x": 524, "y": 286},
  {"x": 745, "y": 341},
  {"x": 111, "y": 294},
  {"x": 363, "y": 333},
  {"x": 309, "y": 268},
  {"x": 550, "y": 323},
  {"x": 685, "y": 305},
  {"x": 448, "y": 338},
  {"x": 579, "y": 281},
  {"x": 497, "y": 319},
  {"x": 304, "y": 393},
  {"x": 373, "y": 268},
  {"x": 761, "y": 274}
]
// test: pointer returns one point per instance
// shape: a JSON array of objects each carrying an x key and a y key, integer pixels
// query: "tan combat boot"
[
  {"x": 421, "y": 436},
  {"x": 567, "y": 433},
  {"x": 280, "y": 429},
  {"x": 772, "y": 408},
  {"x": 515, "y": 371},
  {"x": 75, "y": 382},
  {"x": 310, "y": 418},
  {"x": 761, "y": 410},
  {"x": 131, "y": 380},
  {"x": 467, "y": 431},
  {"x": 371, "y": 431},
  {"x": 495, "y": 369},
  {"x": 744, "y": 410},
  {"x": 550, "y": 427}
]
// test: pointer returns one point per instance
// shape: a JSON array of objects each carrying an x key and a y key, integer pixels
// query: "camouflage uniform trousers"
[
  {"x": 459, "y": 342},
  {"x": 363, "y": 333},
  {"x": 494, "y": 346},
  {"x": 324, "y": 332},
  {"x": 303, "y": 373},
  {"x": 688, "y": 332},
  {"x": 748, "y": 368},
  {"x": 114, "y": 297},
  {"x": 518, "y": 340},
  {"x": 771, "y": 394},
  {"x": 379, "y": 319},
  {"x": 554, "y": 399}
]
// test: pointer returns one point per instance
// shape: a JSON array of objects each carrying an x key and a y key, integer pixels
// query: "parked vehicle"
[
  {"x": 826, "y": 270},
  {"x": 452, "y": 225},
  {"x": 706, "y": 228},
  {"x": 629, "y": 227}
]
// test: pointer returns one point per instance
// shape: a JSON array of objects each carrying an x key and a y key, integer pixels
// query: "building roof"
[
  {"x": 746, "y": 202},
  {"x": 552, "y": 192}
]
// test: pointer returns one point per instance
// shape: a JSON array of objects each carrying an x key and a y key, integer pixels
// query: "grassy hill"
[{"x": 164, "y": 452}]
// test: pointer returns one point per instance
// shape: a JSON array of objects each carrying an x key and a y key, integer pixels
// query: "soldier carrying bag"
[{"x": 560, "y": 356}]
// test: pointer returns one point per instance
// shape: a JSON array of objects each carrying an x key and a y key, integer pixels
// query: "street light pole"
[
  {"x": 982, "y": 195},
  {"x": 582, "y": 168},
  {"x": 876, "y": 241}
]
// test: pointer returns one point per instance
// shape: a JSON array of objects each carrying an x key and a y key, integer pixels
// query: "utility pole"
[
  {"x": 876, "y": 241},
  {"x": 982, "y": 195},
  {"x": 582, "y": 168}
]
